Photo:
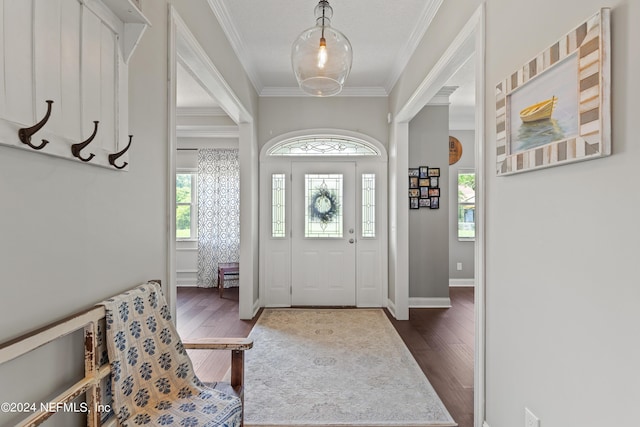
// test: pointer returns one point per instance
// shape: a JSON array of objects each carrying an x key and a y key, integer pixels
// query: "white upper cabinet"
[{"x": 74, "y": 53}]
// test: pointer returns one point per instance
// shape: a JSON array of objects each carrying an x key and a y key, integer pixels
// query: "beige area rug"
[{"x": 324, "y": 367}]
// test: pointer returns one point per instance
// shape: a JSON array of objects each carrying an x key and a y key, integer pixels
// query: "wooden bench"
[
  {"x": 94, "y": 374},
  {"x": 226, "y": 269}
]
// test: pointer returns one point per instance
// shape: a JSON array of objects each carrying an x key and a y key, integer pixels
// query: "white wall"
[
  {"x": 562, "y": 301},
  {"x": 562, "y": 290},
  {"x": 429, "y": 228},
  {"x": 72, "y": 235},
  {"x": 282, "y": 115}
]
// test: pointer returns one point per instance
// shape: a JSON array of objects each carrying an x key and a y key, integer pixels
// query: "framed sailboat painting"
[{"x": 555, "y": 109}]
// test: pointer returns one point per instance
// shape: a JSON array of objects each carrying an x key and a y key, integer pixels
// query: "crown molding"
[
  {"x": 442, "y": 97},
  {"x": 198, "y": 131},
  {"x": 200, "y": 112},
  {"x": 347, "y": 91},
  {"x": 404, "y": 55},
  {"x": 235, "y": 39}
]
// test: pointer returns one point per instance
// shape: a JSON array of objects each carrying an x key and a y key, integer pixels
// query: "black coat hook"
[
  {"x": 113, "y": 157},
  {"x": 76, "y": 148},
  {"x": 25, "y": 134}
]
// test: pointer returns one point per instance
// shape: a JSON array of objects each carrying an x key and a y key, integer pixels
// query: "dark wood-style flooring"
[{"x": 441, "y": 340}]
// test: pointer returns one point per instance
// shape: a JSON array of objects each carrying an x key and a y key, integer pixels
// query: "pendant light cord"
[{"x": 323, "y": 17}]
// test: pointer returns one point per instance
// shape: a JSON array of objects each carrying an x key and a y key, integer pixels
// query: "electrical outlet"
[
  {"x": 530, "y": 420},
  {"x": 459, "y": 266}
]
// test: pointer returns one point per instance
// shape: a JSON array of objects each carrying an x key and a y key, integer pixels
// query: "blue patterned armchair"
[{"x": 153, "y": 381}]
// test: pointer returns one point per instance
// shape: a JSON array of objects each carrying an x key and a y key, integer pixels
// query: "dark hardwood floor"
[
  {"x": 202, "y": 313},
  {"x": 441, "y": 340}
]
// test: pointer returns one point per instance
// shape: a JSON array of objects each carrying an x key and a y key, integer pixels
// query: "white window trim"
[
  {"x": 194, "y": 203},
  {"x": 458, "y": 204}
]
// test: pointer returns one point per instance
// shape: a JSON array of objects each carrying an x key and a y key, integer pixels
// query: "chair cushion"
[
  {"x": 225, "y": 388},
  {"x": 153, "y": 379}
]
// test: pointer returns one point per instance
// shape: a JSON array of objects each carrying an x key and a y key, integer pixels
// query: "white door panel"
[{"x": 323, "y": 241}]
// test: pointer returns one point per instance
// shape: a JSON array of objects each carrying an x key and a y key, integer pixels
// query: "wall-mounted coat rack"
[
  {"x": 25, "y": 134},
  {"x": 115, "y": 156},
  {"x": 77, "y": 148},
  {"x": 99, "y": 29}
]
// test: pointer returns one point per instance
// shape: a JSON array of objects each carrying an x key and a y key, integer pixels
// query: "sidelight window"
[
  {"x": 368, "y": 205},
  {"x": 278, "y": 223}
]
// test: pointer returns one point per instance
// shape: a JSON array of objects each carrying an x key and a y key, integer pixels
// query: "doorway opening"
[{"x": 236, "y": 131}]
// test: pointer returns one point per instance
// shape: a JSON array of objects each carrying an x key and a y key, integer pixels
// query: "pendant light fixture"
[{"x": 321, "y": 56}]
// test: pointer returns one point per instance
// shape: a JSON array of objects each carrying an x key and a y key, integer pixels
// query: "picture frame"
[
  {"x": 424, "y": 203},
  {"x": 434, "y": 172},
  {"x": 413, "y": 182},
  {"x": 556, "y": 108},
  {"x": 424, "y": 192},
  {"x": 434, "y": 202},
  {"x": 414, "y": 172},
  {"x": 414, "y": 203},
  {"x": 434, "y": 181},
  {"x": 424, "y": 172},
  {"x": 433, "y": 192},
  {"x": 423, "y": 182},
  {"x": 414, "y": 192}
]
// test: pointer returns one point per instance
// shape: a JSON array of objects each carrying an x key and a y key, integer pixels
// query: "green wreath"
[{"x": 324, "y": 205}]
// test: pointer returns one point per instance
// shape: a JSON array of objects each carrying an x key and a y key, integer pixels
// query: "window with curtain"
[{"x": 218, "y": 212}]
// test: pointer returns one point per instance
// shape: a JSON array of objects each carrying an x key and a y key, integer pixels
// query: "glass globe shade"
[{"x": 321, "y": 68}]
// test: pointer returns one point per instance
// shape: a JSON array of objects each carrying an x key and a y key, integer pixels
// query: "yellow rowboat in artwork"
[{"x": 540, "y": 111}]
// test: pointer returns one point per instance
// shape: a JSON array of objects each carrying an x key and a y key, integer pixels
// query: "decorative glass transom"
[
  {"x": 324, "y": 146},
  {"x": 323, "y": 201}
]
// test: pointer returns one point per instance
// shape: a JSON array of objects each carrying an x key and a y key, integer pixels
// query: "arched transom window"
[{"x": 324, "y": 146}]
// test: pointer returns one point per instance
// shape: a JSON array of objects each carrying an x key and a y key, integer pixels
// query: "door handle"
[{"x": 351, "y": 241}]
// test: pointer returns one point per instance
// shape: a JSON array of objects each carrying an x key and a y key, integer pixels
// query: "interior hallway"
[{"x": 441, "y": 340}]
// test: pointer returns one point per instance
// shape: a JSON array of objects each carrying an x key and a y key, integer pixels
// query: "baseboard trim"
[
  {"x": 391, "y": 306},
  {"x": 187, "y": 283},
  {"x": 256, "y": 307},
  {"x": 462, "y": 283},
  {"x": 187, "y": 278},
  {"x": 418, "y": 302}
]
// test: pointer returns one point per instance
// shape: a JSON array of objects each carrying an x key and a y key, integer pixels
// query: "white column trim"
[{"x": 470, "y": 40}]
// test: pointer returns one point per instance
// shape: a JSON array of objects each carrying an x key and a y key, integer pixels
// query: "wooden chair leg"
[
  {"x": 220, "y": 283},
  {"x": 237, "y": 375}
]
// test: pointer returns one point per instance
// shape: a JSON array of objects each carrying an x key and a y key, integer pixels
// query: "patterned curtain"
[{"x": 218, "y": 212}]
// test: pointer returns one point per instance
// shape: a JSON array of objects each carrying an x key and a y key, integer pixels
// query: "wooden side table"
[{"x": 226, "y": 269}]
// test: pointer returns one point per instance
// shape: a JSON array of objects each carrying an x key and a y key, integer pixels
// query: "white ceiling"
[
  {"x": 191, "y": 94},
  {"x": 383, "y": 35}
]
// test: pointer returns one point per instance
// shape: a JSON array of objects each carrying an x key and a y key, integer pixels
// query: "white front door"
[{"x": 323, "y": 240}]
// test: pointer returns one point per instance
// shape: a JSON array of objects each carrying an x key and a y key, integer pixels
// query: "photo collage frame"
[{"x": 424, "y": 187}]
